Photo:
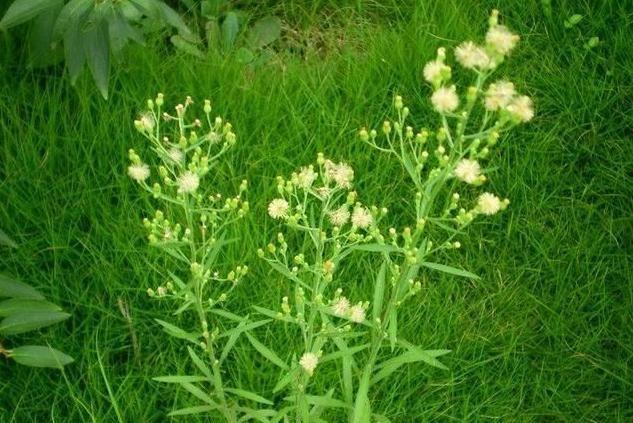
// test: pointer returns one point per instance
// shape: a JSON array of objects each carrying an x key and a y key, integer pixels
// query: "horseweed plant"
[
  {"x": 191, "y": 228},
  {"x": 442, "y": 164}
]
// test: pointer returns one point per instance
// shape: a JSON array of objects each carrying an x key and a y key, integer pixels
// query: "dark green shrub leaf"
[
  {"x": 71, "y": 14},
  {"x": 18, "y": 305},
  {"x": 12, "y": 288},
  {"x": 31, "y": 320},
  {"x": 21, "y": 11},
  {"x": 40, "y": 356},
  {"x": 265, "y": 31},
  {"x": 97, "y": 49},
  {"x": 244, "y": 55},
  {"x": 230, "y": 28},
  {"x": 189, "y": 48}
]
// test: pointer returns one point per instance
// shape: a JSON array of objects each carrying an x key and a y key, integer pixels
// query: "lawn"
[{"x": 546, "y": 334}]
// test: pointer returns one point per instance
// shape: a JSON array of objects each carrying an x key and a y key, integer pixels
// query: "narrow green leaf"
[
  {"x": 379, "y": 291},
  {"x": 284, "y": 381},
  {"x": 198, "y": 393},
  {"x": 267, "y": 353},
  {"x": 199, "y": 363},
  {"x": 265, "y": 31},
  {"x": 230, "y": 28},
  {"x": 5, "y": 240},
  {"x": 176, "y": 332},
  {"x": 287, "y": 273},
  {"x": 192, "y": 410},
  {"x": 347, "y": 352},
  {"x": 391, "y": 365},
  {"x": 245, "y": 327},
  {"x": 261, "y": 415},
  {"x": 248, "y": 395},
  {"x": 21, "y": 11},
  {"x": 28, "y": 321},
  {"x": 18, "y": 305},
  {"x": 326, "y": 401},
  {"x": 97, "y": 50},
  {"x": 10, "y": 287},
  {"x": 347, "y": 363},
  {"x": 450, "y": 270},
  {"x": 40, "y": 356},
  {"x": 181, "y": 379},
  {"x": 392, "y": 329},
  {"x": 376, "y": 248},
  {"x": 227, "y": 314}
]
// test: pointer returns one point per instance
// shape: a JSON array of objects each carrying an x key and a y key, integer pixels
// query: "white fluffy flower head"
[
  {"x": 471, "y": 56},
  {"x": 488, "y": 203},
  {"x": 176, "y": 154},
  {"x": 147, "y": 121},
  {"x": 278, "y": 208},
  {"x": 139, "y": 172},
  {"x": 501, "y": 40},
  {"x": 188, "y": 182},
  {"x": 340, "y": 216},
  {"x": 445, "y": 99},
  {"x": 309, "y": 362},
  {"x": 306, "y": 177},
  {"x": 467, "y": 170},
  {"x": 341, "y": 173},
  {"x": 362, "y": 218},
  {"x": 499, "y": 95},
  {"x": 357, "y": 313},
  {"x": 521, "y": 108},
  {"x": 340, "y": 307}
]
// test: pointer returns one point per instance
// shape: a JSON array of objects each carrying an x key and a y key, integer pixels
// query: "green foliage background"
[{"x": 546, "y": 335}]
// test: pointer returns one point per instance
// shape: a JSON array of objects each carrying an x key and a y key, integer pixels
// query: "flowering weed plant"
[
  {"x": 445, "y": 166},
  {"x": 190, "y": 226}
]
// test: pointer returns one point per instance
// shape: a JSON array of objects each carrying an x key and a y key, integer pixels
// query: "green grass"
[{"x": 545, "y": 335}]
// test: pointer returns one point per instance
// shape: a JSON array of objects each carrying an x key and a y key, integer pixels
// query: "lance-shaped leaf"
[
  {"x": 266, "y": 352},
  {"x": 248, "y": 395},
  {"x": 411, "y": 356},
  {"x": 199, "y": 409},
  {"x": 28, "y": 321},
  {"x": 40, "y": 356},
  {"x": 450, "y": 270},
  {"x": 10, "y": 287},
  {"x": 22, "y": 11},
  {"x": 176, "y": 332},
  {"x": 20, "y": 305}
]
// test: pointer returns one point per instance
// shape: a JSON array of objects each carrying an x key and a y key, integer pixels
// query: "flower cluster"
[{"x": 191, "y": 223}]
